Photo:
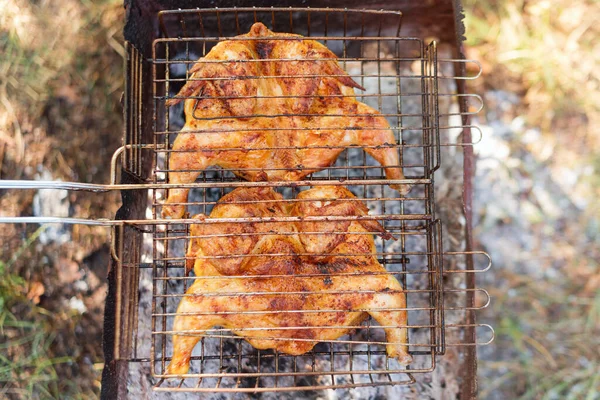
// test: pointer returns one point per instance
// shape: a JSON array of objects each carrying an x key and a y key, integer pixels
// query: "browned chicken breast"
[
  {"x": 330, "y": 201},
  {"x": 228, "y": 243},
  {"x": 272, "y": 109},
  {"x": 268, "y": 289}
]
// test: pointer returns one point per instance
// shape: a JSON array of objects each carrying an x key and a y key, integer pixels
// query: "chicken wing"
[
  {"x": 272, "y": 106},
  {"x": 279, "y": 297},
  {"x": 330, "y": 201}
]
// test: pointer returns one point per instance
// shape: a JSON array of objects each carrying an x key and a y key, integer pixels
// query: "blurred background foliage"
[
  {"x": 60, "y": 80},
  {"x": 538, "y": 202}
]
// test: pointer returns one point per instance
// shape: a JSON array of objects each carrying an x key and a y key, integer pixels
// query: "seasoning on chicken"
[
  {"x": 277, "y": 296},
  {"x": 272, "y": 106}
]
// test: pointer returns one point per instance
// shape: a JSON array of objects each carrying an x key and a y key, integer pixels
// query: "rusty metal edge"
[
  {"x": 139, "y": 29},
  {"x": 114, "y": 371},
  {"x": 469, "y": 384}
]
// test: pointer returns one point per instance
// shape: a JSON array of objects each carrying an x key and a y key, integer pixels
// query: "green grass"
[
  {"x": 26, "y": 366},
  {"x": 555, "y": 356}
]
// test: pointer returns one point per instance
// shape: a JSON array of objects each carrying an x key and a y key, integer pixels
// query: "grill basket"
[{"x": 406, "y": 82}]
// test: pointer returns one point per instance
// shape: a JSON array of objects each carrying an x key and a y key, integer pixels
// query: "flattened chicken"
[
  {"x": 228, "y": 243},
  {"x": 272, "y": 109},
  {"x": 279, "y": 297}
]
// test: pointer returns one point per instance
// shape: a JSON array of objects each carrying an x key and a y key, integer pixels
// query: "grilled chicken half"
[
  {"x": 264, "y": 286},
  {"x": 272, "y": 106}
]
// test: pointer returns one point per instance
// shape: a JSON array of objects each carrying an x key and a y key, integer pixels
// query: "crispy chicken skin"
[
  {"x": 268, "y": 119},
  {"x": 236, "y": 239},
  {"x": 259, "y": 297},
  {"x": 330, "y": 201}
]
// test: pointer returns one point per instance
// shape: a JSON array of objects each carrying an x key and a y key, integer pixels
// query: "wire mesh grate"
[{"x": 399, "y": 76}]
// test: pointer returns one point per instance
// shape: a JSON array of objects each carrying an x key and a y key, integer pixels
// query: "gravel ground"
[{"x": 533, "y": 219}]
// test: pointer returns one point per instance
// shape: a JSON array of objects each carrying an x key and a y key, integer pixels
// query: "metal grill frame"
[{"x": 430, "y": 145}]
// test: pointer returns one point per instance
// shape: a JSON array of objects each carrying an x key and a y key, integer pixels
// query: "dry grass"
[
  {"x": 548, "y": 52},
  {"x": 548, "y": 329},
  {"x": 549, "y": 48},
  {"x": 60, "y": 81}
]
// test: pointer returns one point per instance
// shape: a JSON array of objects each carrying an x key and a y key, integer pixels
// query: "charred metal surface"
[
  {"x": 469, "y": 375},
  {"x": 114, "y": 375},
  {"x": 421, "y": 18},
  {"x": 469, "y": 384},
  {"x": 115, "y": 344}
]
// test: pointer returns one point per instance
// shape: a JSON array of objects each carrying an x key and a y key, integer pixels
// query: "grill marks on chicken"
[
  {"x": 282, "y": 289},
  {"x": 272, "y": 106}
]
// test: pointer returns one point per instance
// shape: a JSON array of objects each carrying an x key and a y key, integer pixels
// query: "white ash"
[
  {"x": 76, "y": 304},
  {"x": 518, "y": 192},
  {"x": 81, "y": 286},
  {"x": 52, "y": 203}
]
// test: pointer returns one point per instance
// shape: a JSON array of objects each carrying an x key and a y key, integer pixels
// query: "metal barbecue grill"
[{"x": 406, "y": 82}]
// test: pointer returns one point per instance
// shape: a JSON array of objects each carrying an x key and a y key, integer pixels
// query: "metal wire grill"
[
  {"x": 394, "y": 71},
  {"x": 132, "y": 104},
  {"x": 379, "y": 63}
]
